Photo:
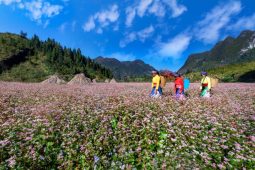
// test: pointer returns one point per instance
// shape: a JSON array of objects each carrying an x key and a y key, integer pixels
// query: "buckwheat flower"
[
  {"x": 4, "y": 143},
  {"x": 214, "y": 165},
  {"x": 28, "y": 138},
  {"x": 226, "y": 159},
  {"x": 252, "y": 138},
  {"x": 41, "y": 157},
  {"x": 221, "y": 166},
  {"x": 96, "y": 159},
  {"x": 205, "y": 137},
  {"x": 11, "y": 161},
  {"x": 237, "y": 146},
  {"x": 224, "y": 146},
  {"x": 173, "y": 139}
]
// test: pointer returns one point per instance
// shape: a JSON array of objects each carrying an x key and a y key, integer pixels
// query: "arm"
[
  {"x": 209, "y": 83},
  {"x": 158, "y": 83},
  {"x": 182, "y": 84},
  {"x": 201, "y": 84}
]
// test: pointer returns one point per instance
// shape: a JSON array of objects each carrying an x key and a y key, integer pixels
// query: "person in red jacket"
[{"x": 178, "y": 85}]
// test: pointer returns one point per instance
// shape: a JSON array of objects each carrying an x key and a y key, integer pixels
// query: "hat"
[
  {"x": 175, "y": 74},
  {"x": 154, "y": 72},
  {"x": 203, "y": 73}
]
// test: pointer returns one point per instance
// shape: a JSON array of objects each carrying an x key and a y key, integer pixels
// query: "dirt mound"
[
  {"x": 113, "y": 81},
  {"x": 54, "y": 79},
  {"x": 79, "y": 79}
]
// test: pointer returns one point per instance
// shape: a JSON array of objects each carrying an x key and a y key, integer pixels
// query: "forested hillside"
[{"x": 33, "y": 60}]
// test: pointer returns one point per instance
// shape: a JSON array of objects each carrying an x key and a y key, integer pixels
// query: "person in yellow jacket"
[
  {"x": 156, "y": 89},
  {"x": 206, "y": 85}
]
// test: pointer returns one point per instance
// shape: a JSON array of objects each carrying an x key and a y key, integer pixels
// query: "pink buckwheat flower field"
[{"x": 118, "y": 126}]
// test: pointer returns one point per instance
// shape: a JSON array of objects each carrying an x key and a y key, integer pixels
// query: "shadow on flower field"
[{"x": 117, "y": 126}]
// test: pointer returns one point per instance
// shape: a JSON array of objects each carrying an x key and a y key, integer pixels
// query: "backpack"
[
  {"x": 162, "y": 81},
  {"x": 186, "y": 84},
  {"x": 214, "y": 82}
]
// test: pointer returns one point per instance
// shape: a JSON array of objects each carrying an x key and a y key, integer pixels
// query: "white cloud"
[
  {"x": 73, "y": 25},
  {"x": 140, "y": 35},
  {"x": 89, "y": 25},
  {"x": 51, "y": 10},
  {"x": 46, "y": 23},
  {"x": 209, "y": 28},
  {"x": 9, "y": 2},
  {"x": 143, "y": 6},
  {"x": 130, "y": 12},
  {"x": 99, "y": 31},
  {"x": 155, "y": 7},
  {"x": 37, "y": 9},
  {"x": 244, "y": 23},
  {"x": 67, "y": 26},
  {"x": 158, "y": 9},
  {"x": 107, "y": 16},
  {"x": 103, "y": 18},
  {"x": 145, "y": 33},
  {"x": 122, "y": 56},
  {"x": 128, "y": 39},
  {"x": 174, "y": 47},
  {"x": 176, "y": 8},
  {"x": 62, "y": 27}
]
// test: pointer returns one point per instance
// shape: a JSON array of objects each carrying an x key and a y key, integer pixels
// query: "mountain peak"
[
  {"x": 228, "y": 51},
  {"x": 246, "y": 33},
  {"x": 122, "y": 69}
]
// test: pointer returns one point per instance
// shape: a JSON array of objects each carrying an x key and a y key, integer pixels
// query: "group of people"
[{"x": 180, "y": 85}]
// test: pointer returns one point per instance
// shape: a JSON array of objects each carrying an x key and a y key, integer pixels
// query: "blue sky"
[{"x": 161, "y": 32}]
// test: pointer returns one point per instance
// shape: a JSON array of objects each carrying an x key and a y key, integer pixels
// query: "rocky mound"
[
  {"x": 113, "y": 81},
  {"x": 54, "y": 79},
  {"x": 94, "y": 81},
  {"x": 79, "y": 79}
]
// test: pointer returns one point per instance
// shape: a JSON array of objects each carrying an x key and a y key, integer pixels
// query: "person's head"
[
  {"x": 154, "y": 73},
  {"x": 203, "y": 73},
  {"x": 176, "y": 75}
]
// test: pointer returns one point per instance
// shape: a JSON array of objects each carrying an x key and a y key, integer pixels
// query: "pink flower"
[
  {"x": 237, "y": 146},
  {"x": 224, "y": 146},
  {"x": 252, "y": 138},
  {"x": 28, "y": 138},
  {"x": 4, "y": 142},
  {"x": 11, "y": 161},
  {"x": 220, "y": 166}
]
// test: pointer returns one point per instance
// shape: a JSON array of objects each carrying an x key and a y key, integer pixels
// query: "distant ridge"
[
  {"x": 230, "y": 60},
  {"x": 229, "y": 51},
  {"x": 125, "y": 69}
]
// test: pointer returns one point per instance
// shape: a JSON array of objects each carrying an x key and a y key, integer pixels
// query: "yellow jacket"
[
  {"x": 206, "y": 80},
  {"x": 156, "y": 81}
]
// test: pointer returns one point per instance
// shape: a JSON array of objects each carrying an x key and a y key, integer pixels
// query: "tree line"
[{"x": 66, "y": 61}]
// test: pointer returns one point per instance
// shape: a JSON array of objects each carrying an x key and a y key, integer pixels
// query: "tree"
[{"x": 23, "y": 34}]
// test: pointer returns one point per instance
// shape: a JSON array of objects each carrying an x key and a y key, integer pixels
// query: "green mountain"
[
  {"x": 126, "y": 70},
  {"x": 33, "y": 60},
  {"x": 226, "y": 52},
  {"x": 240, "y": 72}
]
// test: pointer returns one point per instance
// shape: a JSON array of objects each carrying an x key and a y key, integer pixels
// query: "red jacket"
[{"x": 178, "y": 83}]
